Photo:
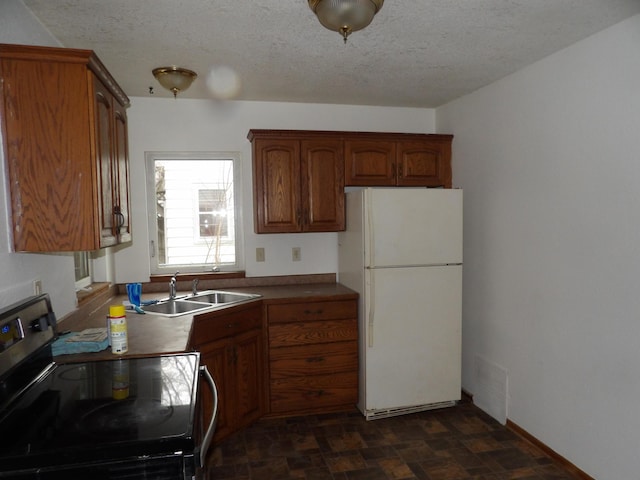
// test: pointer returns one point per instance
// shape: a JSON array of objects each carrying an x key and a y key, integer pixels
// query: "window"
[
  {"x": 82, "y": 264},
  {"x": 193, "y": 205}
]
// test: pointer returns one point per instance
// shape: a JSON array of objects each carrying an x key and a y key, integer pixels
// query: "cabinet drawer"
[
  {"x": 213, "y": 326},
  {"x": 317, "y": 359},
  {"x": 296, "y": 312},
  {"x": 304, "y": 333},
  {"x": 317, "y": 392}
]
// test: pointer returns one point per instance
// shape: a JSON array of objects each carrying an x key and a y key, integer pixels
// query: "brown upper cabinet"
[
  {"x": 64, "y": 130},
  {"x": 403, "y": 160},
  {"x": 298, "y": 181},
  {"x": 299, "y": 176}
]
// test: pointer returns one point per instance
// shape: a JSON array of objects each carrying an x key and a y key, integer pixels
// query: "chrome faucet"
[
  {"x": 194, "y": 287},
  {"x": 173, "y": 287}
]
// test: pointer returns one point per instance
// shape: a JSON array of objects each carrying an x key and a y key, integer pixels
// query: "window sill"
[
  {"x": 200, "y": 276},
  {"x": 86, "y": 295}
]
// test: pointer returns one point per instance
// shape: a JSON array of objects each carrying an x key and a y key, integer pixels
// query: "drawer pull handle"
[
  {"x": 313, "y": 312},
  {"x": 315, "y": 359},
  {"x": 320, "y": 393},
  {"x": 232, "y": 325}
]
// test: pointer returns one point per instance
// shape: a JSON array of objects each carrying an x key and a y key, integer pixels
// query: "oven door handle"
[{"x": 206, "y": 442}]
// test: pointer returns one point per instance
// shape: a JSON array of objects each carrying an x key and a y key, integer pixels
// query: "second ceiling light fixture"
[{"x": 345, "y": 16}]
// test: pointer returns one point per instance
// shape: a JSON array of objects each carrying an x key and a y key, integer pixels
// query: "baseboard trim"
[{"x": 563, "y": 462}]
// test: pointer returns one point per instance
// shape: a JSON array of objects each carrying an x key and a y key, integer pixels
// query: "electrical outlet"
[
  {"x": 295, "y": 254},
  {"x": 37, "y": 287},
  {"x": 260, "y": 254}
]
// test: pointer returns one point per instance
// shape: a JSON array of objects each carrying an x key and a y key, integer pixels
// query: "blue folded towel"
[{"x": 68, "y": 343}]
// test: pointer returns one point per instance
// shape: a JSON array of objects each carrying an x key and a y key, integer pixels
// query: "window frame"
[
  {"x": 86, "y": 281},
  {"x": 150, "y": 158}
]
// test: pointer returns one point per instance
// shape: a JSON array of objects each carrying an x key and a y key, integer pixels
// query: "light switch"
[{"x": 260, "y": 254}]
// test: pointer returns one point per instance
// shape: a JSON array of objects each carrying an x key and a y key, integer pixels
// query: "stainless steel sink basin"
[
  {"x": 173, "y": 308},
  {"x": 217, "y": 297},
  {"x": 206, "y": 300}
]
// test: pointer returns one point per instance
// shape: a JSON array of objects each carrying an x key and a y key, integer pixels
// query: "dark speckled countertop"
[{"x": 154, "y": 334}]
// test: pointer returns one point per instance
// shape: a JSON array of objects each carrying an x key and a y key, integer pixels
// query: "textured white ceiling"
[{"x": 415, "y": 53}]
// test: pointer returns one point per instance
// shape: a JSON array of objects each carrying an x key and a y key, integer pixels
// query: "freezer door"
[
  {"x": 412, "y": 320},
  {"x": 413, "y": 226}
]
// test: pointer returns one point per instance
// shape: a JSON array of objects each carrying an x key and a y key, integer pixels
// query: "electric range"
[{"x": 109, "y": 419}]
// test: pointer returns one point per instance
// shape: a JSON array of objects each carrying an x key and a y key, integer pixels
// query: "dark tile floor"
[{"x": 458, "y": 443}]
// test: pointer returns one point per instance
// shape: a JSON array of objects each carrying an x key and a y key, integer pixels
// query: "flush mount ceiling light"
[
  {"x": 345, "y": 16},
  {"x": 175, "y": 79}
]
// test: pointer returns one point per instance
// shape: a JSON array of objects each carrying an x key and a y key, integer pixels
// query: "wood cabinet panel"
[
  {"x": 313, "y": 356},
  {"x": 322, "y": 186},
  {"x": 57, "y": 126},
  {"x": 301, "y": 333},
  {"x": 298, "y": 184},
  {"x": 321, "y": 358},
  {"x": 302, "y": 312},
  {"x": 248, "y": 354},
  {"x": 399, "y": 160},
  {"x": 121, "y": 174},
  {"x": 313, "y": 393},
  {"x": 299, "y": 176},
  {"x": 370, "y": 162},
  {"x": 426, "y": 163},
  {"x": 232, "y": 348},
  {"x": 211, "y": 326},
  {"x": 217, "y": 358},
  {"x": 277, "y": 186}
]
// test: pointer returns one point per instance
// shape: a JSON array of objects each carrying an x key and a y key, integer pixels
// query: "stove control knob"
[{"x": 41, "y": 324}]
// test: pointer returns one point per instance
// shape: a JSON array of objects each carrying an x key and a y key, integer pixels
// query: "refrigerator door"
[
  {"x": 412, "y": 226},
  {"x": 412, "y": 323}
]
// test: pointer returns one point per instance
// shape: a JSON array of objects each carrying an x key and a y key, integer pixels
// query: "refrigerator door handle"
[{"x": 372, "y": 309}]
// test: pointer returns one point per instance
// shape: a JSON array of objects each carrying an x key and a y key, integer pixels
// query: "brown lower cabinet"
[
  {"x": 309, "y": 365},
  {"x": 231, "y": 346},
  {"x": 313, "y": 356}
]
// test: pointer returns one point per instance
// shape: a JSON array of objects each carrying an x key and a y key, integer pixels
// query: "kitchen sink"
[
  {"x": 200, "y": 302},
  {"x": 173, "y": 308},
  {"x": 218, "y": 297}
]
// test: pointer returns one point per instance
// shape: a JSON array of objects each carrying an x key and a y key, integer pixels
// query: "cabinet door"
[
  {"x": 249, "y": 378},
  {"x": 370, "y": 163},
  {"x": 276, "y": 170},
  {"x": 105, "y": 162},
  {"x": 322, "y": 168},
  {"x": 424, "y": 164},
  {"x": 121, "y": 174},
  {"x": 219, "y": 361},
  {"x": 47, "y": 151}
]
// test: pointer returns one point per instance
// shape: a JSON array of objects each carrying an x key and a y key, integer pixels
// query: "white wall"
[
  {"x": 166, "y": 124},
  {"x": 17, "y": 25},
  {"x": 549, "y": 159}
]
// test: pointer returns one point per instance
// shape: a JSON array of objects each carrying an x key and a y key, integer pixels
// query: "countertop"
[{"x": 155, "y": 334}]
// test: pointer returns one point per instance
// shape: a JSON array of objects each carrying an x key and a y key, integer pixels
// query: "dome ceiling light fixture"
[
  {"x": 175, "y": 79},
  {"x": 345, "y": 16}
]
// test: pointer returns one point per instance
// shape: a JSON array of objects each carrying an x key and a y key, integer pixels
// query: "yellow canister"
[{"x": 118, "y": 329}]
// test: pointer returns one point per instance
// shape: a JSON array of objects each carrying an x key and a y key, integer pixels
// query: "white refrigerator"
[{"x": 402, "y": 252}]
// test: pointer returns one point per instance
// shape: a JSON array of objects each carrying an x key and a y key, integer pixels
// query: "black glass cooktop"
[{"x": 101, "y": 410}]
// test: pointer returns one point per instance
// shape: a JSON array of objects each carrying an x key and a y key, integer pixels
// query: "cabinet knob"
[{"x": 313, "y": 312}]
